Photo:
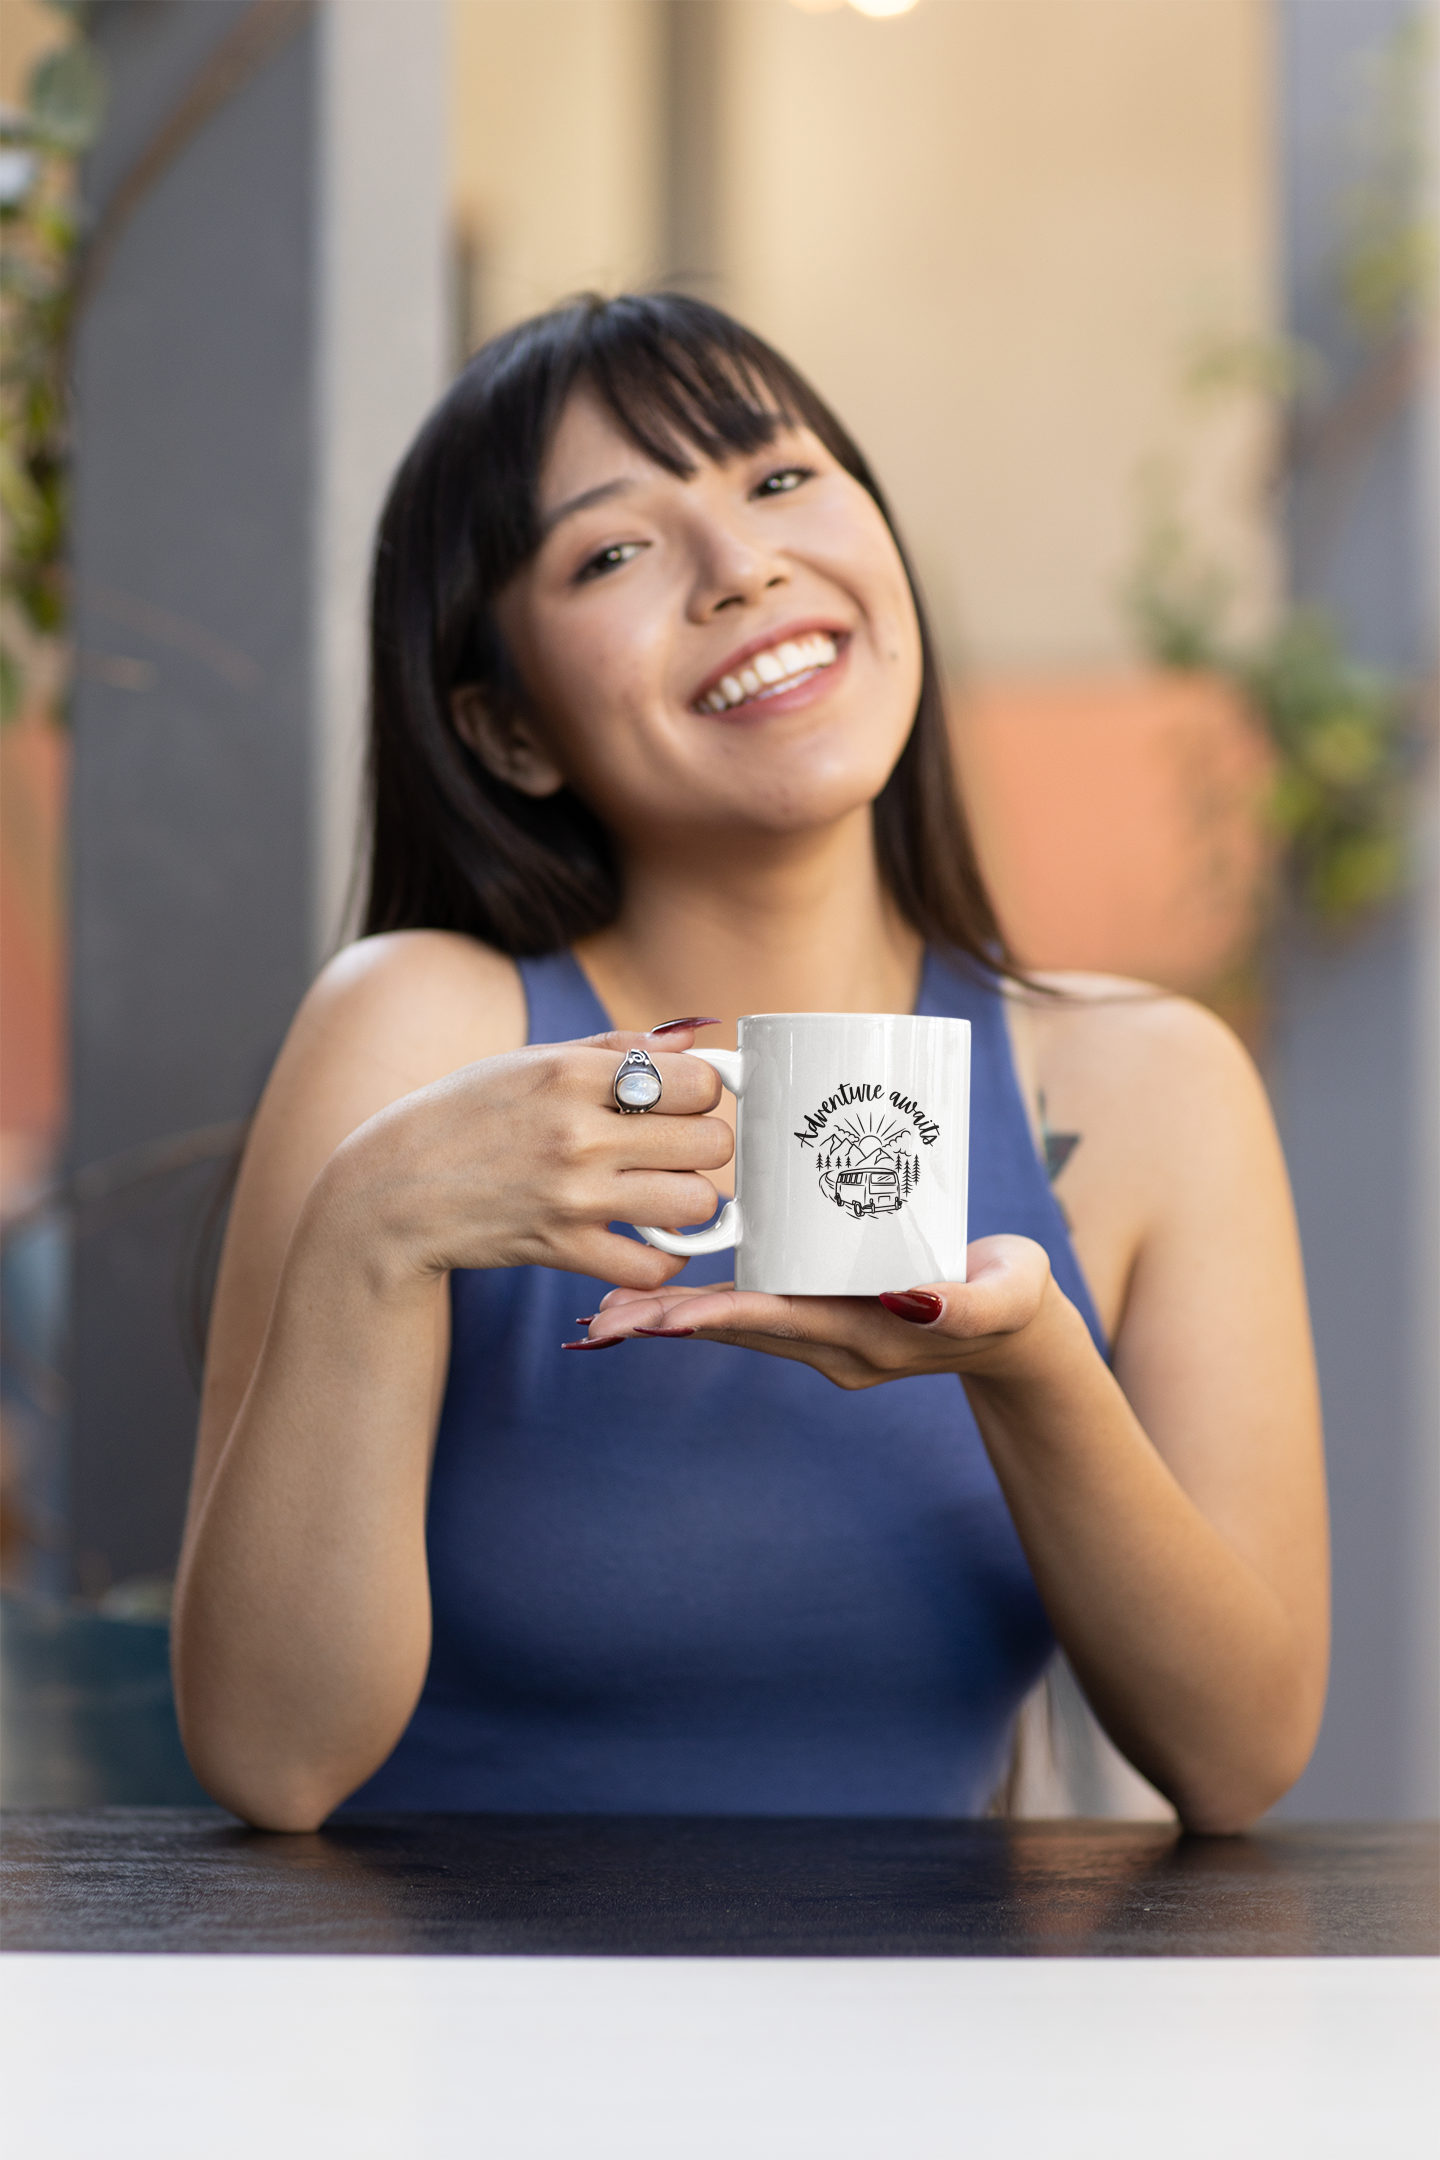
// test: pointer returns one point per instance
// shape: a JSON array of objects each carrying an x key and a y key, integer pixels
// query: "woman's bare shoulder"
[
  {"x": 1146, "y": 1073},
  {"x": 385, "y": 1017},
  {"x": 1167, "y": 1127},
  {"x": 421, "y": 1002}
]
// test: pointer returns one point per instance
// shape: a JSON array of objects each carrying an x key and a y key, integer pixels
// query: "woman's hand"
[
  {"x": 995, "y": 1322},
  {"x": 523, "y": 1160}
]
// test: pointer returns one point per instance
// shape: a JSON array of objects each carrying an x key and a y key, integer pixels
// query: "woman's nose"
[{"x": 732, "y": 573}]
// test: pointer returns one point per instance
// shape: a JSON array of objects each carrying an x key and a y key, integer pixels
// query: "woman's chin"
[
  {"x": 792, "y": 813},
  {"x": 783, "y": 785},
  {"x": 815, "y": 780}
]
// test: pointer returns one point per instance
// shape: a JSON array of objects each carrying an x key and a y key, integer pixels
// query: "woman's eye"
[
  {"x": 786, "y": 481},
  {"x": 610, "y": 558}
]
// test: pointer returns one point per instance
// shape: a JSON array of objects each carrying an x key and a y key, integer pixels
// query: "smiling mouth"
[{"x": 766, "y": 674}]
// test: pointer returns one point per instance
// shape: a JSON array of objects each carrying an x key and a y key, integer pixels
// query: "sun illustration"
[{"x": 868, "y": 1165}]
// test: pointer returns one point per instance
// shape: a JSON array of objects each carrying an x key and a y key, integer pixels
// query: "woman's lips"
[{"x": 776, "y": 676}]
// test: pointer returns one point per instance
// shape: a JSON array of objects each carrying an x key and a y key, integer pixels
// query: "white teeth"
[{"x": 796, "y": 656}]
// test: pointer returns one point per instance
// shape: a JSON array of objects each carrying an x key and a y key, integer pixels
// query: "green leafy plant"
[
  {"x": 1340, "y": 798},
  {"x": 40, "y": 235},
  {"x": 1386, "y": 266},
  {"x": 1344, "y": 736}
]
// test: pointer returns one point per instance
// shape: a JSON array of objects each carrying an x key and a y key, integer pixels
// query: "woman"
[{"x": 657, "y": 730}]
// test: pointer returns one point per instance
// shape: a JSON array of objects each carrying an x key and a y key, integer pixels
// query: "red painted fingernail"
[
  {"x": 921, "y": 1306},
  {"x": 670, "y": 1027},
  {"x": 582, "y": 1319},
  {"x": 595, "y": 1342},
  {"x": 664, "y": 1331}
]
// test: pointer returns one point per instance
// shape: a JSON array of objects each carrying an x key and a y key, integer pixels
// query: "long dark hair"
[{"x": 455, "y": 848}]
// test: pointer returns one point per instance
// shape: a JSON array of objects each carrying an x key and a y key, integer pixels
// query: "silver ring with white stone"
[{"x": 636, "y": 1086}]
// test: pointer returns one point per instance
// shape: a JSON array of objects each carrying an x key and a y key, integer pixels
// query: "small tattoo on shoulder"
[{"x": 1058, "y": 1146}]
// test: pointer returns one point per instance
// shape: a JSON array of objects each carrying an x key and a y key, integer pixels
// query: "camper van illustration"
[
  {"x": 869, "y": 1169},
  {"x": 868, "y": 1192}
]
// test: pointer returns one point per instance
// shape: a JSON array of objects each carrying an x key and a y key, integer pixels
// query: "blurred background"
[{"x": 1131, "y": 303}]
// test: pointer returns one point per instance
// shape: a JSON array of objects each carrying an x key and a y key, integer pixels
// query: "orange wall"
[
  {"x": 34, "y": 763},
  {"x": 1118, "y": 821},
  {"x": 34, "y": 760}
]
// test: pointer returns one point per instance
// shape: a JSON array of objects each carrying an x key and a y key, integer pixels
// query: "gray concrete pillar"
[
  {"x": 1421, "y": 1758},
  {"x": 1357, "y": 1072},
  {"x": 264, "y": 330}
]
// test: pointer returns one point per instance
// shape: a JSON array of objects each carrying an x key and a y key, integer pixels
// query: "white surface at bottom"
[{"x": 694, "y": 2059}]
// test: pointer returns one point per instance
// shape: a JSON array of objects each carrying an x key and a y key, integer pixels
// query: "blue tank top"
[{"x": 688, "y": 1578}]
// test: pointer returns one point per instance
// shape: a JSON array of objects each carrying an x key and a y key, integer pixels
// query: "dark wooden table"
[{"x": 194, "y": 1880}]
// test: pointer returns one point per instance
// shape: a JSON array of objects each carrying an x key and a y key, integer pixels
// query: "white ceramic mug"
[{"x": 852, "y": 1153}]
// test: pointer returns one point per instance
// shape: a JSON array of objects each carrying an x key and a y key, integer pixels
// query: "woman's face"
[{"x": 734, "y": 651}]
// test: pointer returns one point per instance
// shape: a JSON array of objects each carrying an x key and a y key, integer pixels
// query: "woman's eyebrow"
[{"x": 593, "y": 495}]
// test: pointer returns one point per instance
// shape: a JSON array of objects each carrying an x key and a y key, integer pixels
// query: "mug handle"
[{"x": 725, "y": 1231}]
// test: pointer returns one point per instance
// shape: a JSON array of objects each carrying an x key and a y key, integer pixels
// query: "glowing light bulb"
[{"x": 882, "y": 7}]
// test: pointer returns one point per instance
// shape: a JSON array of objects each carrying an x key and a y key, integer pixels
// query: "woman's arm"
[
  {"x": 1173, "y": 1511},
  {"x": 404, "y": 1132}
]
